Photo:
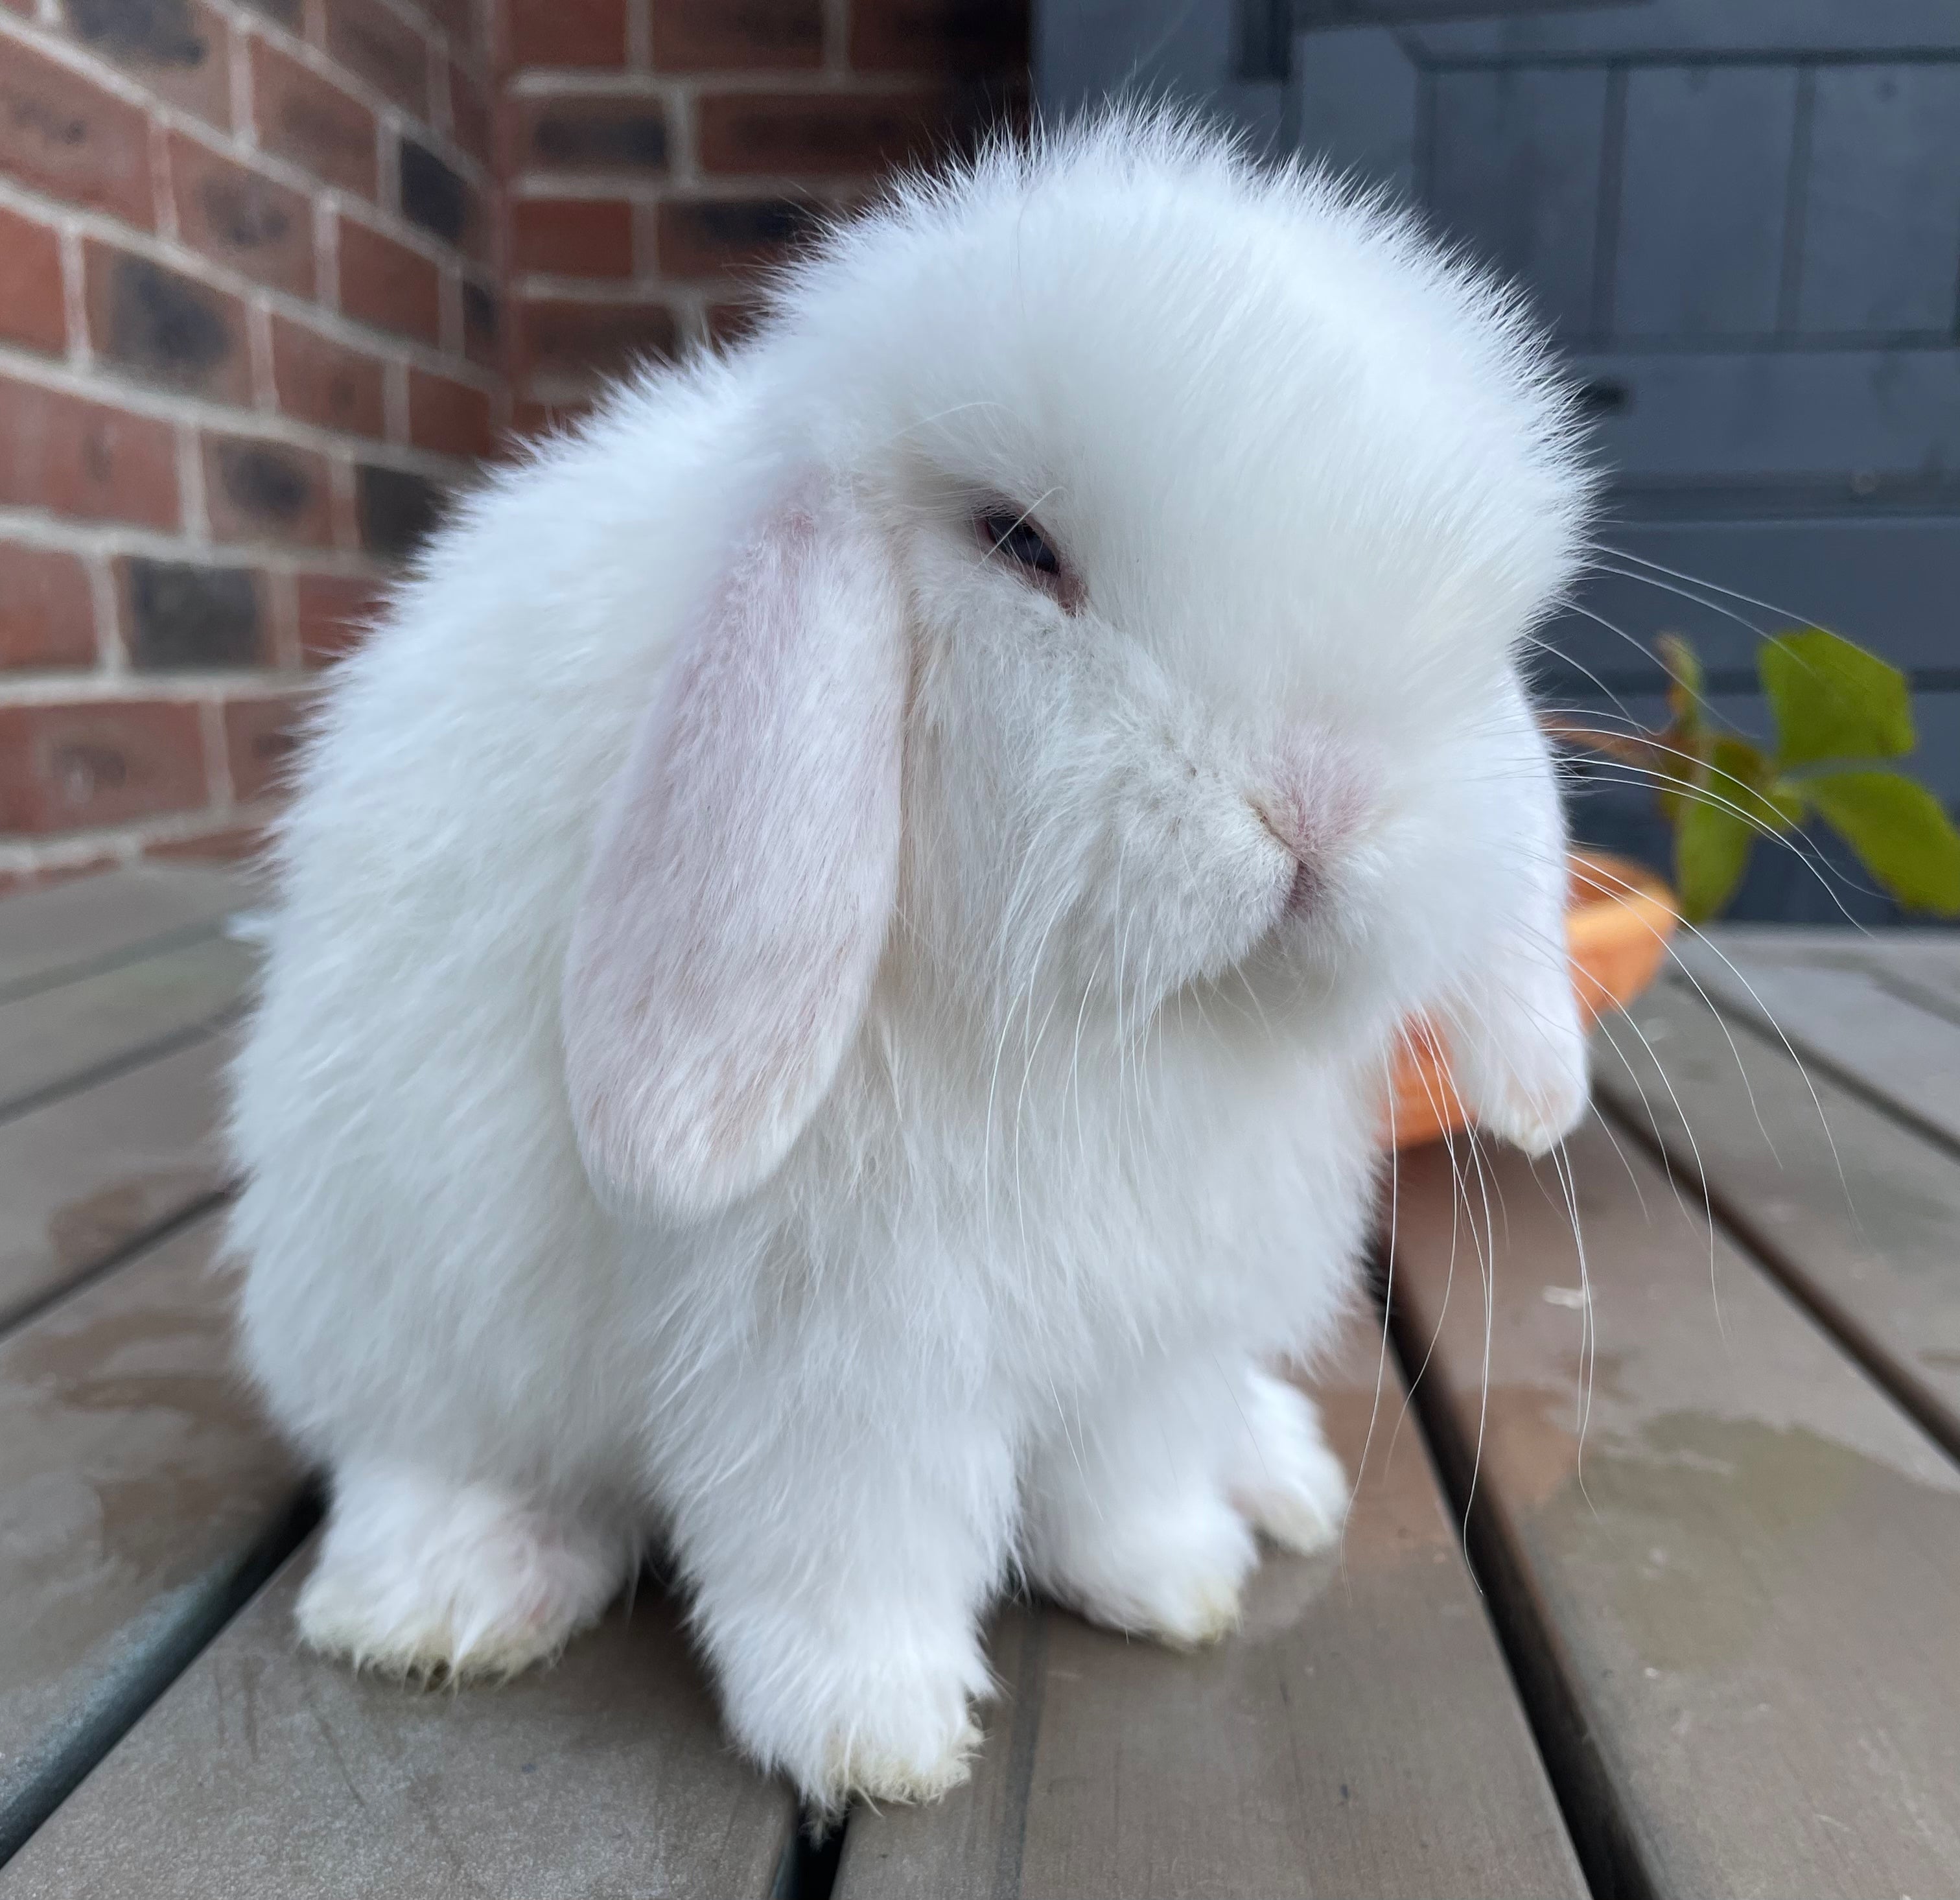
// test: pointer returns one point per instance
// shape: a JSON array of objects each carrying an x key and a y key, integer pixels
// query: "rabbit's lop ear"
[
  {"x": 1517, "y": 1044},
  {"x": 744, "y": 874}
]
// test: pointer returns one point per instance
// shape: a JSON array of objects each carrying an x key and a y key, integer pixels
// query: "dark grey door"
[{"x": 1741, "y": 218}]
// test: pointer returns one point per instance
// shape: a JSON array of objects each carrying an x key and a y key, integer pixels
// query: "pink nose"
[{"x": 1310, "y": 801}]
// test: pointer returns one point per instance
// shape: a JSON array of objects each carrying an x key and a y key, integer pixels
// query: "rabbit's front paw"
[
  {"x": 889, "y": 1717},
  {"x": 1288, "y": 1483},
  {"x": 1174, "y": 1570},
  {"x": 423, "y": 1580}
]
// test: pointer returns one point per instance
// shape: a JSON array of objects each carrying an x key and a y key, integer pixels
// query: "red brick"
[
  {"x": 261, "y": 735},
  {"x": 468, "y": 114},
  {"x": 567, "y": 33},
  {"x": 447, "y": 417},
  {"x": 819, "y": 135},
  {"x": 165, "y": 327},
  {"x": 457, "y": 18},
  {"x": 225, "y": 845},
  {"x": 966, "y": 37},
  {"x": 705, "y": 36},
  {"x": 103, "y": 761},
  {"x": 13, "y": 882},
  {"x": 386, "y": 284},
  {"x": 572, "y": 236},
  {"x": 623, "y": 133},
  {"x": 31, "y": 309},
  {"x": 578, "y": 343},
  {"x": 76, "y": 457},
  {"x": 334, "y": 612},
  {"x": 537, "y": 419},
  {"x": 310, "y": 121},
  {"x": 62, "y": 134},
  {"x": 708, "y": 236},
  {"x": 47, "y": 613},
  {"x": 320, "y": 381},
  {"x": 180, "y": 52},
  {"x": 381, "y": 48},
  {"x": 243, "y": 218},
  {"x": 259, "y": 490}
]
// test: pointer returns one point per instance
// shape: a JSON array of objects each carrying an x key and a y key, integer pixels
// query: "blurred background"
[{"x": 274, "y": 276}]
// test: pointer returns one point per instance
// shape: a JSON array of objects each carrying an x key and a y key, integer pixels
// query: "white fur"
[{"x": 1010, "y": 1211}]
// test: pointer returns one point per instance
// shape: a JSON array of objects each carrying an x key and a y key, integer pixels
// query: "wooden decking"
[{"x": 1697, "y": 1634}]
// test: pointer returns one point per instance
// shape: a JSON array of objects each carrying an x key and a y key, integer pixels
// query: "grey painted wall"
[{"x": 1741, "y": 220}]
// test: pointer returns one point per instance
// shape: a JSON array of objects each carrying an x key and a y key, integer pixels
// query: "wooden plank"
[
  {"x": 1848, "y": 1019},
  {"x": 75, "y": 1030},
  {"x": 1737, "y": 1625},
  {"x": 90, "y": 922},
  {"x": 1360, "y": 1735},
  {"x": 1882, "y": 207},
  {"x": 136, "y": 1482},
  {"x": 1859, "y": 1214},
  {"x": 93, "y": 1172},
  {"x": 1922, "y": 966},
  {"x": 1514, "y": 164},
  {"x": 267, "y": 1774},
  {"x": 1704, "y": 181}
]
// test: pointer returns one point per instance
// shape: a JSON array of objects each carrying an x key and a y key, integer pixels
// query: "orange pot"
[{"x": 1618, "y": 921}]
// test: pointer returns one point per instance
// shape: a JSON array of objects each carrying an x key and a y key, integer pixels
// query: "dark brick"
[
  {"x": 586, "y": 134},
  {"x": 378, "y": 46},
  {"x": 98, "y": 761},
  {"x": 321, "y": 381},
  {"x": 179, "y": 48},
  {"x": 310, "y": 121},
  {"x": 334, "y": 610},
  {"x": 242, "y": 217},
  {"x": 166, "y": 327},
  {"x": 434, "y": 196},
  {"x": 62, "y": 134},
  {"x": 704, "y": 35},
  {"x": 288, "y": 13},
  {"x": 386, "y": 284},
  {"x": 731, "y": 324},
  {"x": 577, "y": 343},
  {"x": 481, "y": 324},
  {"x": 398, "y": 509},
  {"x": 834, "y": 134},
  {"x": 965, "y": 36},
  {"x": 32, "y": 309},
  {"x": 573, "y": 237},
  {"x": 61, "y": 453},
  {"x": 567, "y": 33},
  {"x": 261, "y": 738},
  {"x": 47, "y": 611},
  {"x": 267, "y": 491},
  {"x": 187, "y": 619},
  {"x": 705, "y": 236}
]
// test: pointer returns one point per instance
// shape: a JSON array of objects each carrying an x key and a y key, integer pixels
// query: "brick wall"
[
  {"x": 273, "y": 274},
  {"x": 659, "y": 152}
]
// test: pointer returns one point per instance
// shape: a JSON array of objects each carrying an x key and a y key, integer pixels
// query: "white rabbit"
[{"x": 838, "y": 948}]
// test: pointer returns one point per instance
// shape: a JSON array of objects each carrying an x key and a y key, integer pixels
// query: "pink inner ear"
[{"x": 744, "y": 870}]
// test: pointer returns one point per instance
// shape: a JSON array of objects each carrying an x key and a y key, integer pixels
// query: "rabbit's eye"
[{"x": 1002, "y": 532}]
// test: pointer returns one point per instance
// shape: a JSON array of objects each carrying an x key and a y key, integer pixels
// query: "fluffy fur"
[{"x": 971, "y": 989}]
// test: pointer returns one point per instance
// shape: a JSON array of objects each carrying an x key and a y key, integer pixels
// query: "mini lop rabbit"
[{"x": 838, "y": 948}]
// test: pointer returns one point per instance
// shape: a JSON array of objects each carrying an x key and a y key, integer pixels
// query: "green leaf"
[
  {"x": 1711, "y": 852},
  {"x": 1740, "y": 776},
  {"x": 1901, "y": 832},
  {"x": 1684, "y": 700},
  {"x": 1833, "y": 700}
]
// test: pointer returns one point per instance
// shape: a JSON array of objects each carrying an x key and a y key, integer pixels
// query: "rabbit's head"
[{"x": 1131, "y": 628}]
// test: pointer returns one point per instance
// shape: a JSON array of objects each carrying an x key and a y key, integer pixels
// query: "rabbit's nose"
[{"x": 1310, "y": 801}]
